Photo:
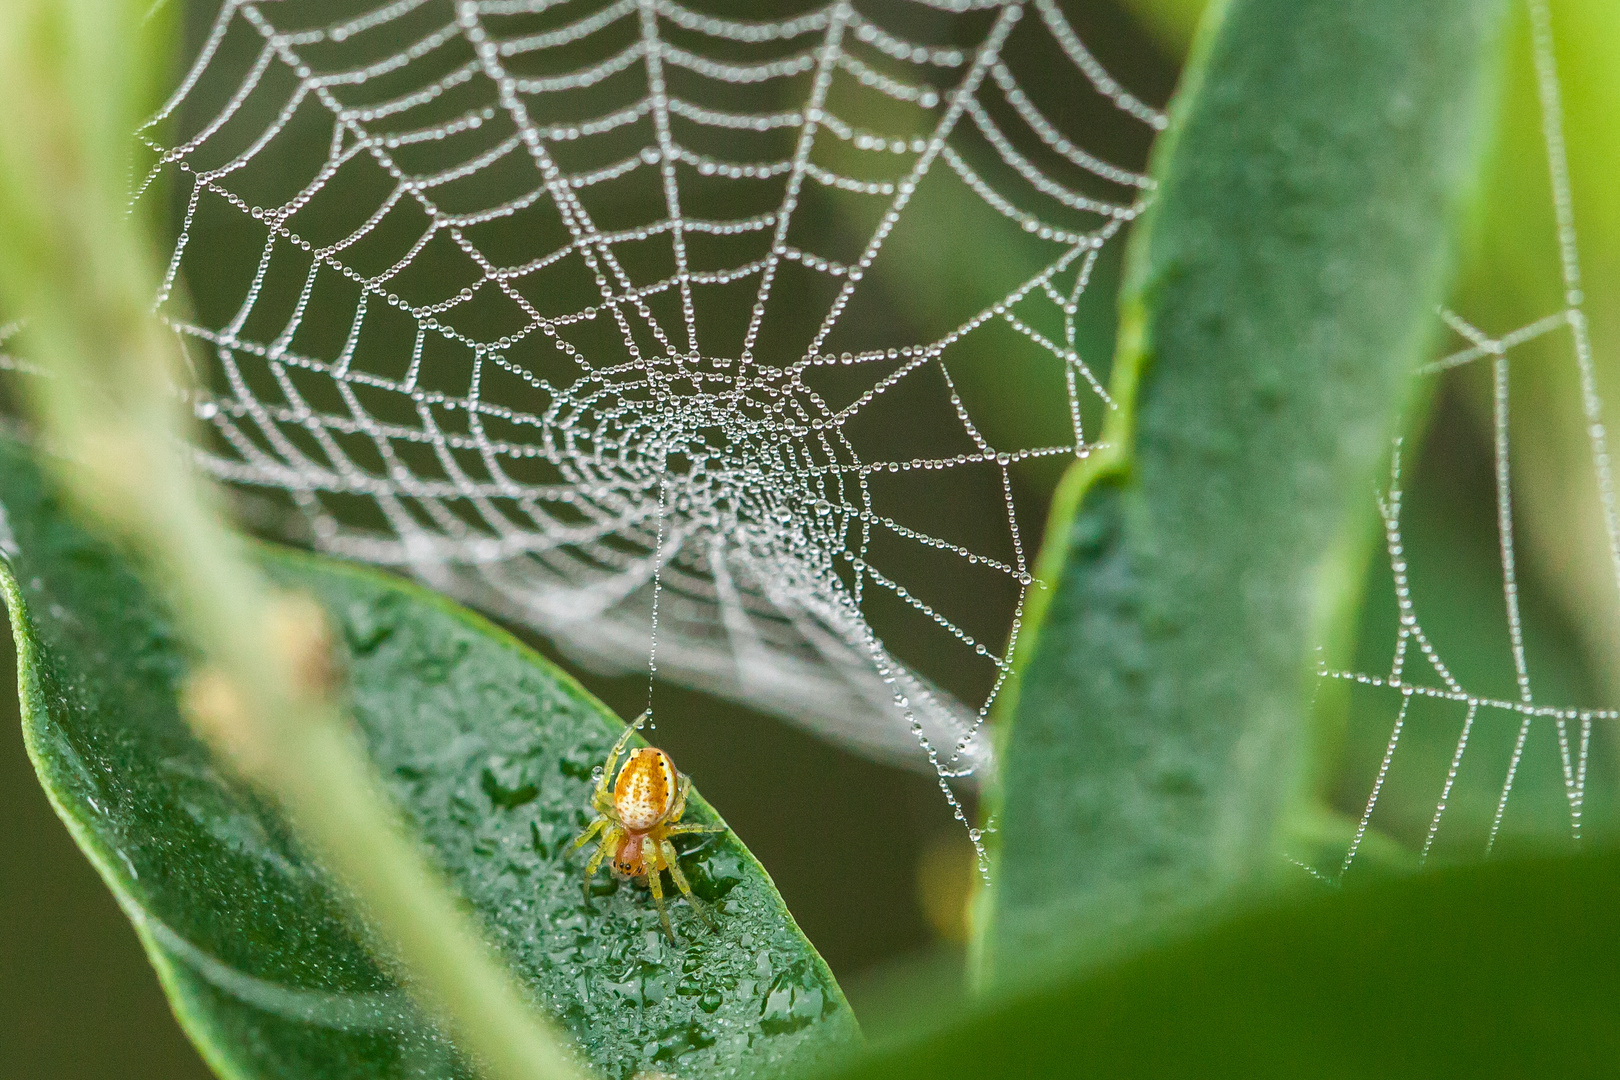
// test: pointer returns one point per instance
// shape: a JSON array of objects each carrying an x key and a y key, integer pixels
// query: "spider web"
[
  {"x": 1420, "y": 685},
  {"x": 607, "y": 317},
  {"x": 596, "y": 315}
]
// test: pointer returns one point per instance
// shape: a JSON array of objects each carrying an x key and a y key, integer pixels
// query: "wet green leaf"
[
  {"x": 1278, "y": 296},
  {"x": 489, "y": 751}
]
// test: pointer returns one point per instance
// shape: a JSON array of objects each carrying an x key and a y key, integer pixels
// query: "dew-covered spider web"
[
  {"x": 710, "y": 340},
  {"x": 739, "y": 345},
  {"x": 1472, "y": 754}
]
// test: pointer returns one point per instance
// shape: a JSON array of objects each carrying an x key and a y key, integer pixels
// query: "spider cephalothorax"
[{"x": 637, "y": 813}]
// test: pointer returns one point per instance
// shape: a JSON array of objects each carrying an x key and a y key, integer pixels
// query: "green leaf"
[
  {"x": 1278, "y": 295},
  {"x": 488, "y": 750},
  {"x": 1510, "y": 969}
]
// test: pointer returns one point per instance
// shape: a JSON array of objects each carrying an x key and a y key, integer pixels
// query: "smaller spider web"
[
  {"x": 1420, "y": 684},
  {"x": 618, "y": 319}
]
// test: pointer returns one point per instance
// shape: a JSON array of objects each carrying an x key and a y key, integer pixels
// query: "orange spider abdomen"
[{"x": 645, "y": 791}]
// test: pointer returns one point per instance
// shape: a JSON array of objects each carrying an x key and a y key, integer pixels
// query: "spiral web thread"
[
  {"x": 1413, "y": 648},
  {"x": 650, "y": 492}
]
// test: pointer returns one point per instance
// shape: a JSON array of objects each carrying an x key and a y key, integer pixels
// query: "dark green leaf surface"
[
  {"x": 1509, "y": 970},
  {"x": 489, "y": 751},
  {"x": 1278, "y": 295}
]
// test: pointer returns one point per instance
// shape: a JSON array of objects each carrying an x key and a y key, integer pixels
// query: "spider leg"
[
  {"x": 667, "y": 851},
  {"x": 604, "y": 785},
  {"x": 651, "y": 857},
  {"x": 692, "y": 827},
  {"x": 679, "y": 808},
  {"x": 585, "y": 837},
  {"x": 610, "y": 841},
  {"x": 674, "y": 816}
]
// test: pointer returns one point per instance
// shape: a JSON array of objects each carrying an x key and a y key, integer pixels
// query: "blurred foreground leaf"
[
  {"x": 1510, "y": 969},
  {"x": 1278, "y": 295},
  {"x": 487, "y": 748}
]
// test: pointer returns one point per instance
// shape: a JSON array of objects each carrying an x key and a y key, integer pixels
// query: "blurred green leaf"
[
  {"x": 1511, "y": 969},
  {"x": 488, "y": 750},
  {"x": 1278, "y": 296}
]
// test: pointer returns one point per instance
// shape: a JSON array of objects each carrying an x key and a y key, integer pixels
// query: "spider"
[{"x": 636, "y": 815}]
